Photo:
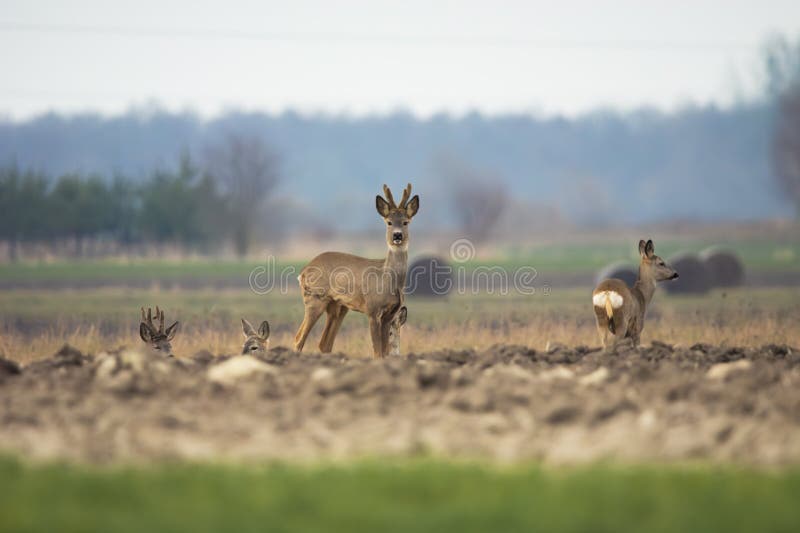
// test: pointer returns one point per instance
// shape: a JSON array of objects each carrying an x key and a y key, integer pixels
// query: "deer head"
[
  {"x": 397, "y": 216},
  {"x": 652, "y": 266},
  {"x": 156, "y": 337},
  {"x": 255, "y": 341}
]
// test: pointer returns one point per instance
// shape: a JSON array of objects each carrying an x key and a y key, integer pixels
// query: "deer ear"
[
  {"x": 144, "y": 332},
  {"x": 247, "y": 329},
  {"x": 642, "y": 245},
  {"x": 382, "y": 206},
  {"x": 649, "y": 249},
  {"x": 412, "y": 207},
  {"x": 263, "y": 330},
  {"x": 402, "y": 315},
  {"x": 173, "y": 330}
]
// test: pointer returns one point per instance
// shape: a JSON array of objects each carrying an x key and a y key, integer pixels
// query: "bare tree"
[
  {"x": 478, "y": 197},
  {"x": 247, "y": 170},
  {"x": 781, "y": 66},
  {"x": 786, "y": 145}
]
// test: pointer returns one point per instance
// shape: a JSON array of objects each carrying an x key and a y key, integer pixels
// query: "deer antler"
[
  {"x": 406, "y": 196},
  {"x": 160, "y": 316},
  {"x": 148, "y": 320},
  {"x": 389, "y": 198}
]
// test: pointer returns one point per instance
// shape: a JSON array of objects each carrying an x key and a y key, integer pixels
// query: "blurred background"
[{"x": 181, "y": 144}]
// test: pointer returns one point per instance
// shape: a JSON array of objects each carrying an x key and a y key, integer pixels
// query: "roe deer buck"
[
  {"x": 335, "y": 282},
  {"x": 255, "y": 341},
  {"x": 620, "y": 310},
  {"x": 157, "y": 338}
]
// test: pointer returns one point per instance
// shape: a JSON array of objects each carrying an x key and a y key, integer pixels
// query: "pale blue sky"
[{"x": 360, "y": 57}]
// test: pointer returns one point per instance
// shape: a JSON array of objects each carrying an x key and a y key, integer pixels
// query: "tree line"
[{"x": 195, "y": 207}]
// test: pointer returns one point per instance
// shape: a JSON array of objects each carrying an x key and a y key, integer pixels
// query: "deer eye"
[
  {"x": 405, "y": 223},
  {"x": 253, "y": 347},
  {"x": 389, "y": 223}
]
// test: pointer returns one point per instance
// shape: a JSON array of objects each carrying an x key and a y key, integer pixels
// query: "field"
[{"x": 699, "y": 429}]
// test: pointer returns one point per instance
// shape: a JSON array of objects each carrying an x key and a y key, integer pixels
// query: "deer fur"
[
  {"x": 255, "y": 342},
  {"x": 157, "y": 338},
  {"x": 620, "y": 310},
  {"x": 335, "y": 282}
]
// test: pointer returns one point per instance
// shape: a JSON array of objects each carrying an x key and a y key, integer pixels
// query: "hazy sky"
[{"x": 358, "y": 57}]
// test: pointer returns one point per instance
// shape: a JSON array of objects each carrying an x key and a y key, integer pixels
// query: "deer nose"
[{"x": 397, "y": 235}]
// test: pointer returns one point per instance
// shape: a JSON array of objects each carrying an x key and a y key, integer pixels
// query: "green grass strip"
[{"x": 393, "y": 496}]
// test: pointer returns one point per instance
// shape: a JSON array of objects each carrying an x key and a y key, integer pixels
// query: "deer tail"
[
  {"x": 610, "y": 313},
  {"x": 608, "y": 301}
]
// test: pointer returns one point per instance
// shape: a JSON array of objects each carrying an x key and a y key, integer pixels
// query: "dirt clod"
[{"x": 9, "y": 367}]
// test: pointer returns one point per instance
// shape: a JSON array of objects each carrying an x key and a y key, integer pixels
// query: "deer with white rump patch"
[
  {"x": 620, "y": 310},
  {"x": 335, "y": 282}
]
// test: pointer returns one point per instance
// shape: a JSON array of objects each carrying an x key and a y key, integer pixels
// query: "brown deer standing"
[
  {"x": 255, "y": 341},
  {"x": 157, "y": 338},
  {"x": 335, "y": 282},
  {"x": 620, "y": 310}
]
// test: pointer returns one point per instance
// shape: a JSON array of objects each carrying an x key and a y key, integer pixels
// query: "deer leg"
[
  {"x": 635, "y": 338},
  {"x": 386, "y": 325},
  {"x": 602, "y": 331},
  {"x": 338, "y": 318},
  {"x": 620, "y": 332},
  {"x": 331, "y": 311},
  {"x": 314, "y": 309},
  {"x": 602, "y": 326},
  {"x": 376, "y": 333}
]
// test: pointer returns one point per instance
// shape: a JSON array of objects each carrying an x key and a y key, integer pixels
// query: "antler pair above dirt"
[
  {"x": 148, "y": 321},
  {"x": 157, "y": 337}
]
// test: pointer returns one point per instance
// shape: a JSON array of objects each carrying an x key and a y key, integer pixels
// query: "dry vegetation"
[{"x": 35, "y": 324}]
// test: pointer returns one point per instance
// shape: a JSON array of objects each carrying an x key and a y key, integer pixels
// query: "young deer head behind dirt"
[
  {"x": 335, "y": 282},
  {"x": 255, "y": 342},
  {"x": 157, "y": 338},
  {"x": 620, "y": 310}
]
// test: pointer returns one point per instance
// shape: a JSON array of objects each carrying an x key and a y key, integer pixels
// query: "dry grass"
[{"x": 35, "y": 324}]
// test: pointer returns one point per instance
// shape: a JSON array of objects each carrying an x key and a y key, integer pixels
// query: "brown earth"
[{"x": 567, "y": 405}]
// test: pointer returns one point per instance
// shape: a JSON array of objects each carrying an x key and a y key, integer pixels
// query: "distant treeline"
[
  {"x": 183, "y": 207},
  {"x": 83, "y": 214},
  {"x": 698, "y": 163}
]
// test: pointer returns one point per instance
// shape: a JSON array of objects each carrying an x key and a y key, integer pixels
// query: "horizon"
[{"x": 147, "y": 110}]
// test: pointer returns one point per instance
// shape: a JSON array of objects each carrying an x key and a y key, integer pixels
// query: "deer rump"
[{"x": 609, "y": 300}]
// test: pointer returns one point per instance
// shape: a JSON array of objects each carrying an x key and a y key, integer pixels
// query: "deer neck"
[
  {"x": 396, "y": 262},
  {"x": 646, "y": 285}
]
